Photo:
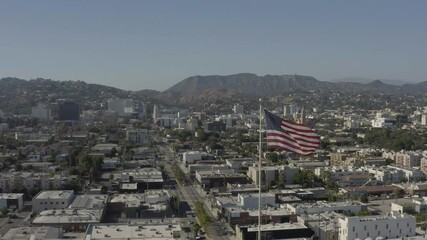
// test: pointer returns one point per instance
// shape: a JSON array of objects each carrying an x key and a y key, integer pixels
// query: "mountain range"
[
  {"x": 245, "y": 84},
  {"x": 22, "y": 94}
]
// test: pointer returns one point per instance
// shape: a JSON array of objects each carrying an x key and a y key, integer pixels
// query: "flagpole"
[{"x": 259, "y": 168}]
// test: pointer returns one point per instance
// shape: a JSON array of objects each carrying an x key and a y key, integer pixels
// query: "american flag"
[{"x": 289, "y": 136}]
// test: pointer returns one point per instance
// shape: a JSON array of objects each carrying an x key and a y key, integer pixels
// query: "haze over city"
[{"x": 137, "y": 45}]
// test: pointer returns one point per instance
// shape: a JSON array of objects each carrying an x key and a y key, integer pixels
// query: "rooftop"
[
  {"x": 54, "y": 194},
  {"x": 33, "y": 233},
  {"x": 66, "y": 216},
  {"x": 11, "y": 195},
  {"x": 94, "y": 201},
  {"x": 136, "y": 231},
  {"x": 277, "y": 227}
]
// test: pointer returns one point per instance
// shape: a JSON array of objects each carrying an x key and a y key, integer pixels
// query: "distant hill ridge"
[
  {"x": 22, "y": 94},
  {"x": 270, "y": 85}
]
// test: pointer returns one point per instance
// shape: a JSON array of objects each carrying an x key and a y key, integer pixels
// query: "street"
[{"x": 216, "y": 229}]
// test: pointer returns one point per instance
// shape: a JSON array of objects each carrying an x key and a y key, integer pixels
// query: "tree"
[
  {"x": 201, "y": 135},
  {"x": 305, "y": 178},
  {"x": 282, "y": 180},
  {"x": 272, "y": 157},
  {"x": 196, "y": 227},
  {"x": 4, "y": 211},
  {"x": 104, "y": 189}
]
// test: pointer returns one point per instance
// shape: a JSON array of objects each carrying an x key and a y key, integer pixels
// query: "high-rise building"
[
  {"x": 137, "y": 136},
  {"x": 424, "y": 119},
  {"x": 121, "y": 106},
  {"x": 156, "y": 113},
  {"x": 69, "y": 111},
  {"x": 290, "y": 110},
  {"x": 238, "y": 109},
  {"x": 41, "y": 112}
]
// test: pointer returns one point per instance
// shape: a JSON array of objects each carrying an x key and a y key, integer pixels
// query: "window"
[
  {"x": 376, "y": 227},
  {"x": 353, "y": 229},
  {"x": 365, "y": 228},
  {"x": 63, "y": 202},
  {"x": 386, "y": 226}
]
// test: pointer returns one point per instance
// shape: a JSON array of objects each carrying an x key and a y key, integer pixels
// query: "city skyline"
[{"x": 153, "y": 45}]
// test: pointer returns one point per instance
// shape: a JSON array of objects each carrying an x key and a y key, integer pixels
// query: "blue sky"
[{"x": 154, "y": 44}]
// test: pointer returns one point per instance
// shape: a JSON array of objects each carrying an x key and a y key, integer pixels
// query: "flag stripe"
[
  {"x": 289, "y": 136},
  {"x": 298, "y": 140},
  {"x": 285, "y": 147}
]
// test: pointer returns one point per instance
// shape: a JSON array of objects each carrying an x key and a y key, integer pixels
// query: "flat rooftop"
[
  {"x": 324, "y": 204},
  {"x": 64, "y": 194},
  {"x": 93, "y": 201},
  {"x": 66, "y": 216},
  {"x": 34, "y": 233},
  {"x": 277, "y": 227},
  {"x": 137, "y": 231},
  {"x": 11, "y": 195},
  {"x": 155, "y": 199}
]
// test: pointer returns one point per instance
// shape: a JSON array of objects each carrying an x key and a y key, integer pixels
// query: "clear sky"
[{"x": 154, "y": 44}]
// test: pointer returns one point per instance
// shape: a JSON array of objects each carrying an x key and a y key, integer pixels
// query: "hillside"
[
  {"x": 18, "y": 95},
  {"x": 245, "y": 84}
]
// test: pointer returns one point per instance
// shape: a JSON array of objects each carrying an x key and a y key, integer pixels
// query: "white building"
[
  {"x": 12, "y": 201},
  {"x": 192, "y": 156},
  {"x": 47, "y": 200},
  {"x": 250, "y": 200},
  {"x": 272, "y": 174},
  {"x": 381, "y": 123},
  {"x": 41, "y": 112},
  {"x": 424, "y": 119},
  {"x": 322, "y": 206},
  {"x": 152, "y": 229},
  {"x": 290, "y": 110},
  {"x": 137, "y": 136},
  {"x": 29, "y": 181},
  {"x": 391, "y": 226},
  {"x": 121, "y": 106}
]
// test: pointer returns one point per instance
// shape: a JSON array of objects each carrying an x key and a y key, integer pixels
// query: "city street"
[
  {"x": 216, "y": 229},
  {"x": 5, "y": 224}
]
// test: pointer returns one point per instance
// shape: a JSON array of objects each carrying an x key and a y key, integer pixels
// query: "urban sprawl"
[{"x": 138, "y": 170}]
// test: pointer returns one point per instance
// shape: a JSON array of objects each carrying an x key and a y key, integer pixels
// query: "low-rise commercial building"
[
  {"x": 211, "y": 179},
  {"x": 33, "y": 233},
  {"x": 150, "y": 204},
  {"x": 274, "y": 231},
  {"x": 47, "y": 200},
  {"x": 75, "y": 220},
  {"x": 395, "y": 225},
  {"x": 149, "y": 230},
  {"x": 13, "y": 201},
  {"x": 322, "y": 206}
]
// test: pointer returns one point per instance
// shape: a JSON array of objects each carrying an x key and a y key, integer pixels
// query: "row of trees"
[
  {"x": 179, "y": 174},
  {"x": 202, "y": 215},
  {"x": 396, "y": 140}
]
